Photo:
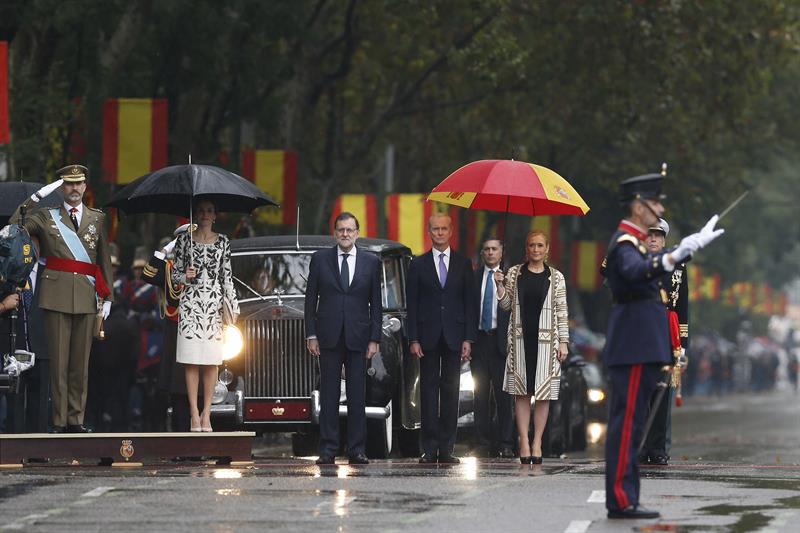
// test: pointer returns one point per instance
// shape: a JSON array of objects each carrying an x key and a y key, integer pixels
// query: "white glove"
[
  {"x": 708, "y": 233},
  {"x": 169, "y": 246},
  {"x": 106, "y": 309},
  {"x": 688, "y": 246},
  {"x": 46, "y": 190}
]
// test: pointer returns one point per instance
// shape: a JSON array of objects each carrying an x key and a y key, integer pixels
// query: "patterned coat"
[{"x": 553, "y": 330}]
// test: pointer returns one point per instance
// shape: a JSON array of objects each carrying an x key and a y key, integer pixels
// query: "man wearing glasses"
[{"x": 343, "y": 327}]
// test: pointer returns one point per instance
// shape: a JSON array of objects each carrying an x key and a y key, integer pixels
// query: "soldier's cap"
[
  {"x": 662, "y": 226},
  {"x": 183, "y": 228},
  {"x": 644, "y": 187},
  {"x": 115, "y": 261},
  {"x": 139, "y": 263},
  {"x": 72, "y": 173}
]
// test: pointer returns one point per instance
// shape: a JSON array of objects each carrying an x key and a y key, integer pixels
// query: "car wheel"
[
  {"x": 305, "y": 442},
  {"x": 379, "y": 436}
]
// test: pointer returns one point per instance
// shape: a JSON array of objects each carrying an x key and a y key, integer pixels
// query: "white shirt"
[
  {"x": 78, "y": 213},
  {"x": 351, "y": 260},
  {"x": 436, "y": 254},
  {"x": 486, "y": 272}
]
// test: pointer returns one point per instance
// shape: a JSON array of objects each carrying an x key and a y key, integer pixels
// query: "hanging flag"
[
  {"x": 549, "y": 225},
  {"x": 5, "y": 130},
  {"x": 586, "y": 259},
  {"x": 709, "y": 287},
  {"x": 781, "y": 304},
  {"x": 695, "y": 281},
  {"x": 363, "y": 207},
  {"x": 763, "y": 304},
  {"x": 134, "y": 138},
  {"x": 274, "y": 172}
]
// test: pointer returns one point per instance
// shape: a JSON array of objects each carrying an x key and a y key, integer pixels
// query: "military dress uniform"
[
  {"x": 637, "y": 347},
  {"x": 674, "y": 287},
  {"x": 70, "y": 289}
]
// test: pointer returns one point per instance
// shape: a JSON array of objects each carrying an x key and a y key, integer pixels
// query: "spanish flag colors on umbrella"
[{"x": 510, "y": 186}]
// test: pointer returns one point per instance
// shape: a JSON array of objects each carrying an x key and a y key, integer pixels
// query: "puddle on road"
[{"x": 20, "y": 489}]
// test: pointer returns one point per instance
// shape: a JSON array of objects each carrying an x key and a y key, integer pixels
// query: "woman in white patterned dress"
[
  {"x": 538, "y": 339},
  {"x": 204, "y": 267}
]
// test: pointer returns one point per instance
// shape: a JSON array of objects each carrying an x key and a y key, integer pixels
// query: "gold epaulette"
[
  {"x": 95, "y": 209},
  {"x": 627, "y": 237},
  {"x": 684, "y": 330}
]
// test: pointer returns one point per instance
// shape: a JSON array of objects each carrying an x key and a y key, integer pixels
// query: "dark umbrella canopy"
[
  {"x": 13, "y": 193},
  {"x": 171, "y": 190}
]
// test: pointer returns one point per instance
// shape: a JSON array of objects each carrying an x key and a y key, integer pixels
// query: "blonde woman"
[{"x": 538, "y": 339}]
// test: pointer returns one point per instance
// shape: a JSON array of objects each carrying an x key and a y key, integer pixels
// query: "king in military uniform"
[
  {"x": 637, "y": 342},
  {"x": 73, "y": 289}
]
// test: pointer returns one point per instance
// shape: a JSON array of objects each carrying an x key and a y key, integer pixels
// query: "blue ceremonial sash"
[{"x": 73, "y": 242}]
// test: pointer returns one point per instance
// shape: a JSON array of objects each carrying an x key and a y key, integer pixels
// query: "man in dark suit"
[
  {"x": 489, "y": 359},
  {"x": 637, "y": 343},
  {"x": 442, "y": 324},
  {"x": 343, "y": 327}
]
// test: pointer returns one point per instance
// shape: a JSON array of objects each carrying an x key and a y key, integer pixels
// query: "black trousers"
[
  {"x": 488, "y": 367},
  {"x": 330, "y": 370},
  {"x": 656, "y": 443},
  {"x": 632, "y": 387},
  {"x": 440, "y": 374}
]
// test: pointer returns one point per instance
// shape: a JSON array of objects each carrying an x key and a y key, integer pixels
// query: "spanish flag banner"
[
  {"x": 407, "y": 221},
  {"x": 763, "y": 305},
  {"x": 274, "y": 172},
  {"x": 134, "y": 138},
  {"x": 695, "y": 282},
  {"x": 709, "y": 287},
  {"x": 479, "y": 227},
  {"x": 363, "y": 207},
  {"x": 586, "y": 259},
  {"x": 781, "y": 304},
  {"x": 549, "y": 225},
  {"x": 5, "y": 130}
]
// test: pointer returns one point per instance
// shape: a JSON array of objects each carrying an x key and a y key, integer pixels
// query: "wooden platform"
[{"x": 121, "y": 449}]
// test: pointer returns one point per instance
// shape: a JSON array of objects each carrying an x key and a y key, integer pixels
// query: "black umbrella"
[
  {"x": 13, "y": 193},
  {"x": 171, "y": 190}
]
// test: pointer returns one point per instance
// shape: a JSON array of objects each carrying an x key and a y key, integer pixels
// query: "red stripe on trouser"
[{"x": 627, "y": 430}]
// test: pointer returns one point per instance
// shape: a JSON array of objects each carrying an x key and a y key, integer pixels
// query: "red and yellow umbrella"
[{"x": 510, "y": 186}]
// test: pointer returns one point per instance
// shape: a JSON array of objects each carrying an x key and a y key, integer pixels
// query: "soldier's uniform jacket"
[
  {"x": 157, "y": 272},
  {"x": 676, "y": 287},
  {"x": 638, "y": 331},
  {"x": 67, "y": 292}
]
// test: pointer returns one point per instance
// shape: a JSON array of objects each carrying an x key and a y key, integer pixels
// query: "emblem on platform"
[
  {"x": 126, "y": 450},
  {"x": 278, "y": 411}
]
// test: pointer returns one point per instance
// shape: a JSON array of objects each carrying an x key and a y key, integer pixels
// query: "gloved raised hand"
[
  {"x": 689, "y": 245},
  {"x": 169, "y": 246},
  {"x": 106, "y": 309},
  {"x": 47, "y": 190}
]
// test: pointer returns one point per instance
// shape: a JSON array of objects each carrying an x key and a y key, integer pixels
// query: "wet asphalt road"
[{"x": 736, "y": 467}]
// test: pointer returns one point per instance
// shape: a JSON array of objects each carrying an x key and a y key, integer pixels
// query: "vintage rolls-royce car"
[{"x": 273, "y": 383}]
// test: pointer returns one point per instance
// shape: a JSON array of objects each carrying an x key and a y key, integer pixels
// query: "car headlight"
[
  {"x": 466, "y": 384},
  {"x": 232, "y": 342},
  {"x": 220, "y": 392},
  {"x": 596, "y": 395}
]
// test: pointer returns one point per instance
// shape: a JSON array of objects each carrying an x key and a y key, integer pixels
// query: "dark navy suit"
[
  {"x": 637, "y": 346},
  {"x": 488, "y": 366},
  {"x": 344, "y": 320},
  {"x": 440, "y": 319}
]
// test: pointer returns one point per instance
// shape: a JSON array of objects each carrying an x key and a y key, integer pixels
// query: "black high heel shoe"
[
  {"x": 525, "y": 460},
  {"x": 535, "y": 460}
]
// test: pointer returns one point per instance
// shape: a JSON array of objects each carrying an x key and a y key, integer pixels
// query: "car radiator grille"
[{"x": 277, "y": 363}]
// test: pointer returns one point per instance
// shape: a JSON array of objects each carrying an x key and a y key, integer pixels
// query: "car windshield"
[{"x": 270, "y": 274}]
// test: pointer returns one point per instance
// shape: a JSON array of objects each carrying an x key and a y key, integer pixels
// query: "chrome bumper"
[
  {"x": 380, "y": 413},
  {"x": 231, "y": 407}
]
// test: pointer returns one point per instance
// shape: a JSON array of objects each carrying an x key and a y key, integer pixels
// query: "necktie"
[
  {"x": 488, "y": 296},
  {"x": 345, "y": 271},
  {"x": 73, "y": 217},
  {"x": 442, "y": 270}
]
